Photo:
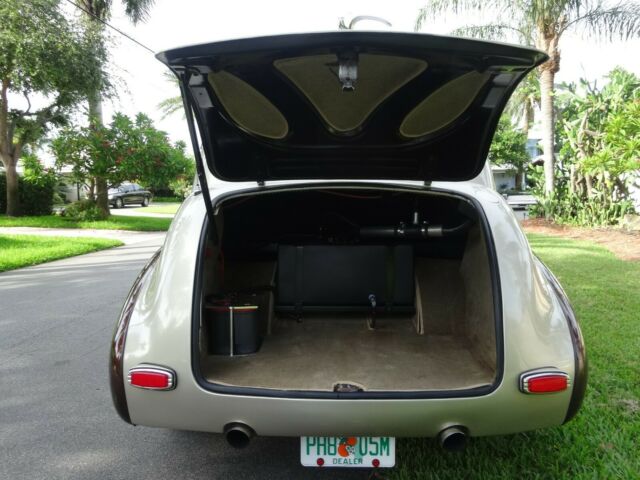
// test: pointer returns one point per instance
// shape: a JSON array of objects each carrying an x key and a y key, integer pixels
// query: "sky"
[{"x": 174, "y": 23}]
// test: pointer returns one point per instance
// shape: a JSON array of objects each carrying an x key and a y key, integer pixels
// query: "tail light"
[
  {"x": 152, "y": 378},
  {"x": 544, "y": 382}
]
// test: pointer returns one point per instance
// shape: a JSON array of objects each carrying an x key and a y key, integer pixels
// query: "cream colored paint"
[{"x": 535, "y": 332}]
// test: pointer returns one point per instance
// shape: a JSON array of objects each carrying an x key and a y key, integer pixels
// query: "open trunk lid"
[{"x": 348, "y": 105}]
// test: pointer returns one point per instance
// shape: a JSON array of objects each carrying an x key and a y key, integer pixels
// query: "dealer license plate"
[{"x": 362, "y": 452}]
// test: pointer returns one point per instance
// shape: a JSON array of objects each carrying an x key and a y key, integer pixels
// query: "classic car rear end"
[{"x": 383, "y": 290}]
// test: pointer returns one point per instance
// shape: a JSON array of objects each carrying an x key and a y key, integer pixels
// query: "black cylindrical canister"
[{"x": 233, "y": 329}]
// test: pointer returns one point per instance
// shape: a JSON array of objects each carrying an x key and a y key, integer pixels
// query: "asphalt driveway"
[{"x": 56, "y": 416}]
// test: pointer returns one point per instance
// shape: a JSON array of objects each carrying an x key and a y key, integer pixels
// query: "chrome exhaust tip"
[
  {"x": 453, "y": 439},
  {"x": 238, "y": 435}
]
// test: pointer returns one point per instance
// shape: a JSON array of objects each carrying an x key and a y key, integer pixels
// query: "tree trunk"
[
  {"x": 7, "y": 151},
  {"x": 11, "y": 174},
  {"x": 589, "y": 183},
  {"x": 519, "y": 178},
  {"x": 102, "y": 196},
  {"x": 572, "y": 179},
  {"x": 95, "y": 118},
  {"x": 547, "y": 121}
]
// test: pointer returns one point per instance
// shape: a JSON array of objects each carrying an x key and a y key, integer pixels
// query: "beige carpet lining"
[{"x": 320, "y": 352}]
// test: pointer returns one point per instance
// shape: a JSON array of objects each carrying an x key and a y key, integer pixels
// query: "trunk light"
[
  {"x": 544, "y": 382},
  {"x": 152, "y": 378}
]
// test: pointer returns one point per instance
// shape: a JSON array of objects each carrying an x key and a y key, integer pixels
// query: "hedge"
[{"x": 34, "y": 199}]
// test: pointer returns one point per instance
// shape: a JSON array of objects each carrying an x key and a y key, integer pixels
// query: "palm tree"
[
  {"x": 171, "y": 105},
  {"x": 542, "y": 23},
  {"x": 95, "y": 14},
  {"x": 524, "y": 102}
]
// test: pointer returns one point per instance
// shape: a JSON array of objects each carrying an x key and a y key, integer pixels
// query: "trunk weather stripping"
[{"x": 355, "y": 395}]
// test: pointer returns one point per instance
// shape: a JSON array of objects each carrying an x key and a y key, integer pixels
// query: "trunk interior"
[{"x": 347, "y": 290}]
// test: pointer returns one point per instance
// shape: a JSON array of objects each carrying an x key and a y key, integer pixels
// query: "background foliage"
[
  {"x": 35, "y": 199},
  {"x": 125, "y": 150},
  {"x": 599, "y": 135},
  {"x": 48, "y": 64},
  {"x": 36, "y": 188}
]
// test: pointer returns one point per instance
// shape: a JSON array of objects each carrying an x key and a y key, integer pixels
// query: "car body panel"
[{"x": 535, "y": 334}]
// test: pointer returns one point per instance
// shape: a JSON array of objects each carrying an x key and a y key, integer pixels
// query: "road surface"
[{"x": 56, "y": 416}]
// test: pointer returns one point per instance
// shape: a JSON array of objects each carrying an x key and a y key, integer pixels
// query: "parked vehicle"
[
  {"x": 355, "y": 278},
  {"x": 129, "y": 194}
]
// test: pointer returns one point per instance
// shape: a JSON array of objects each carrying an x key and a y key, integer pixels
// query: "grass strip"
[{"x": 17, "y": 251}]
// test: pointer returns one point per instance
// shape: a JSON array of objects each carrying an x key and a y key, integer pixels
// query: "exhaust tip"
[
  {"x": 453, "y": 439},
  {"x": 238, "y": 435}
]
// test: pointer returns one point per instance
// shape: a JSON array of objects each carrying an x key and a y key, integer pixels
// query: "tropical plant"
[
  {"x": 171, "y": 105},
  {"x": 95, "y": 14},
  {"x": 43, "y": 56},
  {"x": 542, "y": 23},
  {"x": 126, "y": 149},
  {"x": 600, "y": 135},
  {"x": 600, "y": 151},
  {"x": 524, "y": 102},
  {"x": 572, "y": 209},
  {"x": 182, "y": 187}
]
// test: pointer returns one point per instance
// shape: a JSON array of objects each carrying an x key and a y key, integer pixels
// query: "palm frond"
[
  {"x": 171, "y": 78},
  {"x": 138, "y": 10},
  {"x": 609, "y": 22},
  {"x": 526, "y": 99},
  {"x": 437, "y": 8},
  {"x": 99, "y": 8},
  {"x": 494, "y": 31},
  {"x": 169, "y": 106}
]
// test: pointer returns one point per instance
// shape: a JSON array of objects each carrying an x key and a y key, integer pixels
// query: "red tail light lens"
[
  {"x": 544, "y": 382},
  {"x": 152, "y": 378}
]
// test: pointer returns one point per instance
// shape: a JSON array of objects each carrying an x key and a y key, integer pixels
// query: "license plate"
[{"x": 358, "y": 452}]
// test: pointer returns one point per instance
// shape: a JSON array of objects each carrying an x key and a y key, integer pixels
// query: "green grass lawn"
[
  {"x": 603, "y": 441},
  {"x": 145, "y": 224},
  {"x": 171, "y": 208},
  {"x": 18, "y": 251}
]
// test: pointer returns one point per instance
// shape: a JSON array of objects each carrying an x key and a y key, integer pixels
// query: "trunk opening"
[{"x": 352, "y": 291}]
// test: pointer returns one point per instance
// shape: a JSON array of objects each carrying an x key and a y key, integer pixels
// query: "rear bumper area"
[{"x": 504, "y": 411}]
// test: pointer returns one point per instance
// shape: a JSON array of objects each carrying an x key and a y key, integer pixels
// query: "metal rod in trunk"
[{"x": 200, "y": 168}]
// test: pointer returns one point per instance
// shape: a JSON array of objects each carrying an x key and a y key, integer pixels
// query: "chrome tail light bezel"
[
  {"x": 156, "y": 370},
  {"x": 526, "y": 377}
]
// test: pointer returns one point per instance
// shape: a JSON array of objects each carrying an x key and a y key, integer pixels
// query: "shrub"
[
  {"x": 182, "y": 187},
  {"x": 84, "y": 210},
  {"x": 36, "y": 198},
  {"x": 167, "y": 199},
  {"x": 572, "y": 209}
]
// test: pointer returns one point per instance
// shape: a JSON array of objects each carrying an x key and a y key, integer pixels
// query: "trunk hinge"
[
  {"x": 200, "y": 167},
  {"x": 261, "y": 167}
]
